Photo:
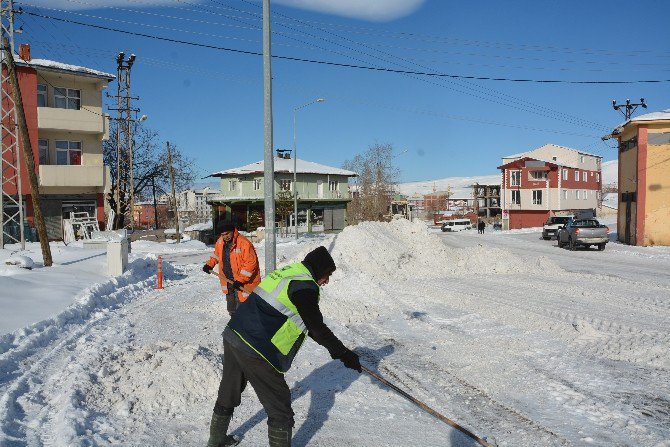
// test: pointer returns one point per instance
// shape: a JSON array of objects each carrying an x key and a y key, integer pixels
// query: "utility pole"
[
  {"x": 12, "y": 212},
  {"x": 125, "y": 187},
  {"x": 27, "y": 150},
  {"x": 174, "y": 197},
  {"x": 628, "y": 108},
  {"x": 269, "y": 167},
  {"x": 153, "y": 190}
]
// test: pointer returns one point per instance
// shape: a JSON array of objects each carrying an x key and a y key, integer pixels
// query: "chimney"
[{"x": 24, "y": 52}]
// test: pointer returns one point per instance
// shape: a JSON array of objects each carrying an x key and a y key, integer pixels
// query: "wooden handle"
[
  {"x": 229, "y": 281},
  {"x": 425, "y": 407}
]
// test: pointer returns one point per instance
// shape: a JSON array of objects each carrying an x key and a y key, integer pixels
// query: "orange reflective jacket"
[{"x": 243, "y": 262}]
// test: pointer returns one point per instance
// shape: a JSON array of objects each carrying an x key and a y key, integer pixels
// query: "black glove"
[
  {"x": 207, "y": 269},
  {"x": 350, "y": 360},
  {"x": 236, "y": 285}
]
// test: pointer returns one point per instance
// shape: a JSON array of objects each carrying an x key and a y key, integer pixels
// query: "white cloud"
[{"x": 372, "y": 10}]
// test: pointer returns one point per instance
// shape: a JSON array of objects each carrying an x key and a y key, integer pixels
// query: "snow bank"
[
  {"x": 21, "y": 261},
  {"x": 167, "y": 246}
]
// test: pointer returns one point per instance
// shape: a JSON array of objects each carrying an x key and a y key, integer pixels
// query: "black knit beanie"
[
  {"x": 320, "y": 262},
  {"x": 226, "y": 226}
]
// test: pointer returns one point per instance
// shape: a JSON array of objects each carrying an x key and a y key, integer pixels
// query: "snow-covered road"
[{"x": 504, "y": 333}]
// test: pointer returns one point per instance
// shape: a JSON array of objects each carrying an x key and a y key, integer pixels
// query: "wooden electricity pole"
[
  {"x": 27, "y": 150},
  {"x": 174, "y": 196}
]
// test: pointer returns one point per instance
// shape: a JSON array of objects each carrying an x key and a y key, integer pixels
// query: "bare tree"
[
  {"x": 283, "y": 206},
  {"x": 374, "y": 187},
  {"x": 149, "y": 168}
]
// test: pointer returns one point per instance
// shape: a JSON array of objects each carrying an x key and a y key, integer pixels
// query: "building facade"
[
  {"x": 550, "y": 180},
  {"x": 192, "y": 205},
  {"x": 323, "y": 194},
  {"x": 66, "y": 125},
  {"x": 644, "y": 179}
]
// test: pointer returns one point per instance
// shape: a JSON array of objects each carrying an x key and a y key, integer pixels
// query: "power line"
[{"x": 352, "y": 66}]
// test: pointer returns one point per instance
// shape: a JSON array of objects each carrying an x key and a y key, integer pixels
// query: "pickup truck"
[
  {"x": 583, "y": 232},
  {"x": 552, "y": 225}
]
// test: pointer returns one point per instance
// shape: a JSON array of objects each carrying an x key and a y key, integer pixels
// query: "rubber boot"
[
  {"x": 218, "y": 429},
  {"x": 279, "y": 436}
]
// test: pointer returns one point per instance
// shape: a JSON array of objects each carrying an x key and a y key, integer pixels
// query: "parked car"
[
  {"x": 583, "y": 232},
  {"x": 552, "y": 225},
  {"x": 456, "y": 225}
]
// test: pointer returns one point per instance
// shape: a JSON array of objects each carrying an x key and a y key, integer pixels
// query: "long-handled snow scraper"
[
  {"x": 425, "y": 407},
  {"x": 229, "y": 281}
]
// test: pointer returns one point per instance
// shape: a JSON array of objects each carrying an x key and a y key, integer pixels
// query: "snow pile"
[
  {"x": 167, "y": 246},
  {"x": 200, "y": 226},
  {"x": 150, "y": 380},
  {"x": 24, "y": 262},
  {"x": 404, "y": 250}
]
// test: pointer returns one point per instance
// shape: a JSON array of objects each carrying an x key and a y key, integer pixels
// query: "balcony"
[
  {"x": 80, "y": 121},
  {"x": 72, "y": 176}
]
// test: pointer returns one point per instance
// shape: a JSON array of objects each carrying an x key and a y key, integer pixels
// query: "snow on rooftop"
[
  {"x": 521, "y": 154},
  {"x": 60, "y": 66},
  {"x": 653, "y": 116},
  {"x": 286, "y": 165}
]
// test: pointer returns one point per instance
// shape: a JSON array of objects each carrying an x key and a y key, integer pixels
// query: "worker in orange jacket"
[{"x": 237, "y": 260}]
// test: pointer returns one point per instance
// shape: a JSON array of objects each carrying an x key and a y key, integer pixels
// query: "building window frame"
[
  {"x": 576, "y": 176},
  {"x": 565, "y": 174},
  {"x": 585, "y": 176},
  {"x": 285, "y": 184},
  {"x": 42, "y": 95},
  {"x": 538, "y": 175},
  {"x": 68, "y": 153},
  {"x": 586, "y": 194},
  {"x": 537, "y": 197},
  {"x": 515, "y": 178},
  {"x": 232, "y": 185},
  {"x": 516, "y": 197},
  {"x": 43, "y": 145},
  {"x": 597, "y": 177},
  {"x": 565, "y": 194},
  {"x": 581, "y": 159},
  {"x": 577, "y": 195},
  {"x": 333, "y": 185},
  {"x": 67, "y": 98},
  {"x": 257, "y": 184}
]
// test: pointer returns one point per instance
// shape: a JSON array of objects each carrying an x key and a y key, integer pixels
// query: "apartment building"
[
  {"x": 549, "y": 180},
  {"x": 644, "y": 179},
  {"x": 323, "y": 193},
  {"x": 67, "y": 125},
  {"x": 192, "y": 205}
]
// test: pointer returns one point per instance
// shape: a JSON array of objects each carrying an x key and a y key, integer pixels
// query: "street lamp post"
[{"x": 295, "y": 163}]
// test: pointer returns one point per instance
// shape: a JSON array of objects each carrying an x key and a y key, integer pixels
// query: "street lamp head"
[
  {"x": 320, "y": 100},
  {"x": 143, "y": 118}
]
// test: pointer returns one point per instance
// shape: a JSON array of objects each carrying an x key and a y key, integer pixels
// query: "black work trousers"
[
  {"x": 239, "y": 366},
  {"x": 232, "y": 301}
]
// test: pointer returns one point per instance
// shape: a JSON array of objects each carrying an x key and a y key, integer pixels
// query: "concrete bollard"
[{"x": 160, "y": 273}]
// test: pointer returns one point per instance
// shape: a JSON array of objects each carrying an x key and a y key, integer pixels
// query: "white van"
[{"x": 456, "y": 225}]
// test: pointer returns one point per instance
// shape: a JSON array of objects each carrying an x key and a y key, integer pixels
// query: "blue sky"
[{"x": 210, "y": 103}]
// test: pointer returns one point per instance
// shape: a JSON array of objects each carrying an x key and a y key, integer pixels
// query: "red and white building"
[
  {"x": 66, "y": 125},
  {"x": 550, "y": 180}
]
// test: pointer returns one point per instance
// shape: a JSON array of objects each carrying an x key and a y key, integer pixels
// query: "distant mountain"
[
  {"x": 610, "y": 171},
  {"x": 461, "y": 186}
]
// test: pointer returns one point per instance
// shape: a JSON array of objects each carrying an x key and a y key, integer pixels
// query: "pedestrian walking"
[
  {"x": 481, "y": 226},
  {"x": 262, "y": 339},
  {"x": 238, "y": 261}
]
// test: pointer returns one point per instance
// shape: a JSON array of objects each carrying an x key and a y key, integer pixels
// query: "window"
[
  {"x": 537, "y": 197},
  {"x": 41, "y": 95},
  {"x": 538, "y": 175},
  {"x": 516, "y": 197},
  {"x": 581, "y": 159},
  {"x": 44, "y": 151},
  {"x": 515, "y": 178},
  {"x": 597, "y": 177},
  {"x": 576, "y": 176},
  {"x": 565, "y": 174},
  {"x": 285, "y": 185},
  {"x": 67, "y": 98},
  {"x": 565, "y": 194},
  {"x": 68, "y": 152},
  {"x": 585, "y": 176},
  {"x": 232, "y": 185},
  {"x": 585, "y": 194},
  {"x": 333, "y": 185},
  {"x": 577, "y": 195},
  {"x": 257, "y": 184}
]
